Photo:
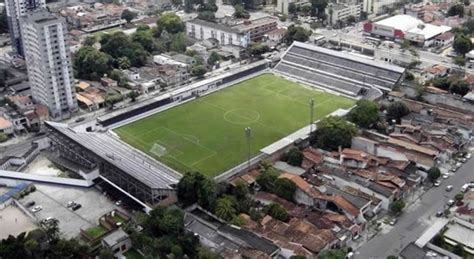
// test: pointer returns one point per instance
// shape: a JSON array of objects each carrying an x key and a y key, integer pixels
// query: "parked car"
[
  {"x": 46, "y": 220},
  {"x": 445, "y": 176},
  {"x": 76, "y": 207},
  {"x": 465, "y": 187},
  {"x": 449, "y": 188},
  {"x": 439, "y": 213},
  {"x": 437, "y": 183},
  {"x": 30, "y": 204},
  {"x": 80, "y": 119},
  {"x": 468, "y": 156},
  {"x": 118, "y": 203},
  {"x": 70, "y": 204},
  {"x": 36, "y": 209},
  {"x": 450, "y": 203},
  {"x": 393, "y": 222}
]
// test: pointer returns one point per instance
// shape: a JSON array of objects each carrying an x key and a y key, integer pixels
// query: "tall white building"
[
  {"x": 341, "y": 12},
  {"x": 377, "y": 6},
  {"x": 48, "y": 62},
  {"x": 16, "y": 9}
]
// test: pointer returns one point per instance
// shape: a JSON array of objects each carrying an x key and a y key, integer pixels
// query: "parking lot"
[{"x": 54, "y": 199}]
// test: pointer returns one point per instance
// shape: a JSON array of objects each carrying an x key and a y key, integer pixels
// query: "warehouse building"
[{"x": 405, "y": 27}]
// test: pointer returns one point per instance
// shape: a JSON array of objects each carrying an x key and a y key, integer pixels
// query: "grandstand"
[{"x": 341, "y": 72}]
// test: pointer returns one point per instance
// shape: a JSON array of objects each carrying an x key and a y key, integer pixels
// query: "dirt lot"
[{"x": 13, "y": 222}]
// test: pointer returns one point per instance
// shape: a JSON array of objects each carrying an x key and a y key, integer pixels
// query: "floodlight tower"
[
  {"x": 248, "y": 135},
  {"x": 311, "y": 112}
]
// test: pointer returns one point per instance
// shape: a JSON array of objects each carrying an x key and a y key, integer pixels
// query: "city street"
[{"x": 417, "y": 218}]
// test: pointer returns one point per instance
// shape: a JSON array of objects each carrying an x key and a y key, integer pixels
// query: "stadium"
[{"x": 222, "y": 125}]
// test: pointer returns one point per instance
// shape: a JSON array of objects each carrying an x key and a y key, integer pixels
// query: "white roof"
[
  {"x": 429, "y": 31},
  {"x": 401, "y": 22}
]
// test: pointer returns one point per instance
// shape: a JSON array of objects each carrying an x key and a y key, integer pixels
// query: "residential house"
[
  {"x": 6, "y": 127},
  {"x": 27, "y": 115},
  {"x": 434, "y": 71},
  {"x": 276, "y": 35},
  {"x": 118, "y": 242},
  {"x": 220, "y": 237},
  {"x": 357, "y": 159},
  {"x": 108, "y": 82},
  {"x": 311, "y": 158},
  {"x": 445, "y": 39}
]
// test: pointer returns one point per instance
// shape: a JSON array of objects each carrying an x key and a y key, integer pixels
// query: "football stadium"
[
  {"x": 207, "y": 134},
  {"x": 217, "y": 124}
]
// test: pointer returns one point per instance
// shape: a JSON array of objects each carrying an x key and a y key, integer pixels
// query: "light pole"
[
  {"x": 248, "y": 135},
  {"x": 311, "y": 111}
]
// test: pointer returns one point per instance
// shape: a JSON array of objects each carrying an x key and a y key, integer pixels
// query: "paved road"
[{"x": 416, "y": 220}]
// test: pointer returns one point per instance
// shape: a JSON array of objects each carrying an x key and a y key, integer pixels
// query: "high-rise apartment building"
[
  {"x": 48, "y": 62},
  {"x": 15, "y": 10}
]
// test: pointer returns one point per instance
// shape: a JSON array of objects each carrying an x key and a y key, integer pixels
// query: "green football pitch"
[{"x": 207, "y": 134}]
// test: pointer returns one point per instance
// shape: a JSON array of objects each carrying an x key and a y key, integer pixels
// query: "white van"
[{"x": 465, "y": 188}]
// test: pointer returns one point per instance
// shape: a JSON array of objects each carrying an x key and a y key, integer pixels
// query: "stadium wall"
[{"x": 183, "y": 94}]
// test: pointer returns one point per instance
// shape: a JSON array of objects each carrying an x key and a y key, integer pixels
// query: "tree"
[
  {"x": 318, "y": 7},
  {"x": 171, "y": 23},
  {"x": 123, "y": 63},
  {"x": 351, "y": 19},
  {"x": 434, "y": 173},
  {"x": 188, "y": 6},
  {"x": 365, "y": 114},
  {"x": 176, "y": 2},
  {"x": 199, "y": 71},
  {"x": 296, "y": 33},
  {"x": 240, "y": 12},
  {"x": 178, "y": 42},
  {"x": 241, "y": 191},
  {"x": 460, "y": 87},
  {"x": 457, "y": 9},
  {"x": 459, "y": 197},
  {"x": 90, "y": 40},
  {"x": 439, "y": 240},
  {"x": 128, "y": 15},
  {"x": 207, "y": 16},
  {"x": 145, "y": 39},
  {"x": 397, "y": 206},
  {"x": 120, "y": 45},
  {"x": 213, "y": 58},
  {"x": 91, "y": 64},
  {"x": 120, "y": 77},
  {"x": 51, "y": 229},
  {"x": 459, "y": 250},
  {"x": 266, "y": 180},
  {"x": 226, "y": 208},
  {"x": 106, "y": 254},
  {"x": 397, "y": 110},
  {"x": 285, "y": 188},
  {"x": 195, "y": 187},
  {"x": 462, "y": 44},
  {"x": 277, "y": 211},
  {"x": 257, "y": 49},
  {"x": 3, "y": 21},
  {"x": 469, "y": 25},
  {"x": 441, "y": 82},
  {"x": 295, "y": 157},
  {"x": 292, "y": 9},
  {"x": 3, "y": 137},
  {"x": 333, "y": 132},
  {"x": 332, "y": 254},
  {"x": 459, "y": 61}
]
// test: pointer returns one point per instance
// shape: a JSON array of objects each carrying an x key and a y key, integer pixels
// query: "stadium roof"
[
  {"x": 401, "y": 22},
  {"x": 131, "y": 161},
  {"x": 345, "y": 55}
]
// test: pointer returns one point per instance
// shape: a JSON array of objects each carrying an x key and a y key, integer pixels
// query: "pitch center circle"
[{"x": 241, "y": 116}]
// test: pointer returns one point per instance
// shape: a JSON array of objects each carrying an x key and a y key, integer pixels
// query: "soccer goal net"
[{"x": 158, "y": 150}]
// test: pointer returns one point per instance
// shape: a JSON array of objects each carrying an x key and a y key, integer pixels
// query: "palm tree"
[{"x": 225, "y": 208}]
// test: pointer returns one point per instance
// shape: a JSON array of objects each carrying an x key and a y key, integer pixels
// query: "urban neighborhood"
[{"x": 294, "y": 129}]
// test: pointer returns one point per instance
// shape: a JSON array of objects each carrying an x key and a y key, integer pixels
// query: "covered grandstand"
[
  {"x": 342, "y": 72},
  {"x": 131, "y": 170}
]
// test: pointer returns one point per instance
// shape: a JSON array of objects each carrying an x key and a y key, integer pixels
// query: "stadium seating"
[{"x": 349, "y": 75}]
